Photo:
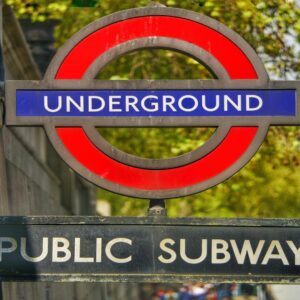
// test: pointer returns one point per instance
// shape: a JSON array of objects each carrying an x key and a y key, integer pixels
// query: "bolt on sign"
[{"x": 242, "y": 102}]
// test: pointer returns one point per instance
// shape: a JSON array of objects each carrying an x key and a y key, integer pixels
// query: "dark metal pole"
[{"x": 157, "y": 207}]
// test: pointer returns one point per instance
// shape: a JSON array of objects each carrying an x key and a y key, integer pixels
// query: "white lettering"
[
  {"x": 193, "y": 260},
  {"x": 60, "y": 245},
  {"x": 248, "y": 102},
  {"x": 237, "y": 106},
  {"x": 113, "y": 258},
  {"x": 112, "y": 102},
  {"x": 296, "y": 252},
  {"x": 77, "y": 255},
  {"x": 92, "y": 99},
  {"x": 98, "y": 249},
  {"x": 217, "y": 105},
  {"x": 219, "y": 247},
  {"x": 37, "y": 258},
  {"x": 170, "y": 251},
  {"x": 247, "y": 250},
  {"x": 168, "y": 101},
  {"x": 59, "y": 104},
  {"x": 131, "y": 101},
  {"x": 11, "y": 248},
  {"x": 180, "y": 103},
  {"x": 279, "y": 255},
  {"x": 153, "y": 105},
  {"x": 70, "y": 100}
]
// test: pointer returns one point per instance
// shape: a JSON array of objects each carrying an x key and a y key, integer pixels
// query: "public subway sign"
[
  {"x": 241, "y": 103},
  {"x": 145, "y": 249}
]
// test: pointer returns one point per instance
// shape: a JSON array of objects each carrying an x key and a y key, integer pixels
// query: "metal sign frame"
[{"x": 158, "y": 174}]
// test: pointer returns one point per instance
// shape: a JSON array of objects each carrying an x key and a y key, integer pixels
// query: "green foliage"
[
  {"x": 269, "y": 185},
  {"x": 39, "y": 10},
  {"x": 156, "y": 142},
  {"x": 84, "y": 3},
  {"x": 144, "y": 64}
]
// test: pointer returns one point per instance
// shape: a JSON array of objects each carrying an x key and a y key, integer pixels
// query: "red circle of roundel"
[{"x": 94, "y": 45}]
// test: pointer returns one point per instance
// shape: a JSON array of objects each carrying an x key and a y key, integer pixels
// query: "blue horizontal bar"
[{"x": 155, "y": 103}]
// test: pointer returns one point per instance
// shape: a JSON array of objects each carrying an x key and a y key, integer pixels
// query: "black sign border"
[{"x": 153, "y": 221}]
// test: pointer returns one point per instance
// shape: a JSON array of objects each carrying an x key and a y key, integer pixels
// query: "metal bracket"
[{"x": 157, "y": 207}]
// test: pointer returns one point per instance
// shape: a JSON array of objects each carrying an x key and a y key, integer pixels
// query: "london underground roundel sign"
[{"x": 70, "y": 104}]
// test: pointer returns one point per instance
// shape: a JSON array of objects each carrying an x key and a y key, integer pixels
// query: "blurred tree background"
[{"x": 269, "y": 185}]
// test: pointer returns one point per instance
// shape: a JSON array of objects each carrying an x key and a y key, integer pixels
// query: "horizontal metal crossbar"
[{"x": 153, "y": 86}]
